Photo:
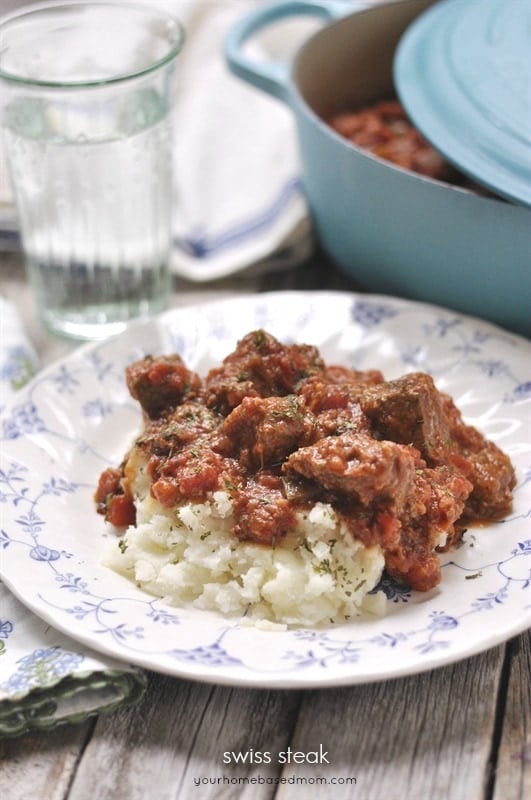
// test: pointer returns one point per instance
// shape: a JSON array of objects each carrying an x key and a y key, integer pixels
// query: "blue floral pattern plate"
[{"x": 76, "y": 417}]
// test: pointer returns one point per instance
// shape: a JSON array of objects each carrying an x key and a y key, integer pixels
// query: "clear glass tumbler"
[{"x": 86, "y": 93}]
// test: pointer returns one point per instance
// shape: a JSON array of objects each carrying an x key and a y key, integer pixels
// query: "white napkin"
[
  {"x": 46, "y": 678},
  {"x": 238, "y": 198}
]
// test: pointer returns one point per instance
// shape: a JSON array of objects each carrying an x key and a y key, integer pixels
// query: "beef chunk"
[
  {"x": 356, "y": 464},
  {"x": 164, "y": 436},
  {"x": 260, "y": 366},
  {"x": 409, "y": 410},
  {"x": 487, "y": 467},
  {"x": 494, "y": 479},
  {"x": 263, "y": 431},
  {"x": 428, "y": 523},
  {"x": 437, "y": 505},
  {"x": 336, "y": 406},
  {"x": 161, "y": 384}
]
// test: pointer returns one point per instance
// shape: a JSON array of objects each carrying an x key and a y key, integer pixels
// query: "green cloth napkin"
[{"x": 45, "y": 677}]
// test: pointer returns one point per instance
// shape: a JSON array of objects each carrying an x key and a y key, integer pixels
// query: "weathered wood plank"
[
  {"x": 427, "y": 736},
  {"x": 41, "y": 765},
  {"x": 513, "y": 773},
  {"x": 171, "y": 745}
]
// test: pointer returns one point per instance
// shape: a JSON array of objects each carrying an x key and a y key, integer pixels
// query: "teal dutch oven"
[{"x": 393, "y": 231}]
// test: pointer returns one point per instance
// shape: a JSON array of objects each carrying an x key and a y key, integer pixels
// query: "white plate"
[{"x": 77, "y": 417}]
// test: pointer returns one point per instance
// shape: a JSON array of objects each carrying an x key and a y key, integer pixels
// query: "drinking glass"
[{"x": 86, "y": 99}]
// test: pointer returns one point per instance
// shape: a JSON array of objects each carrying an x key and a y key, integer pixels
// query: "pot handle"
[{"x": 273, "y": 77}]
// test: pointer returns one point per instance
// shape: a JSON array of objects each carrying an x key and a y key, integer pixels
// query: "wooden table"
[{"x": 461, "y": 732}]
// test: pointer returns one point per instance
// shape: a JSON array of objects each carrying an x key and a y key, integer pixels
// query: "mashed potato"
[{"x": 317, "y": 574}]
